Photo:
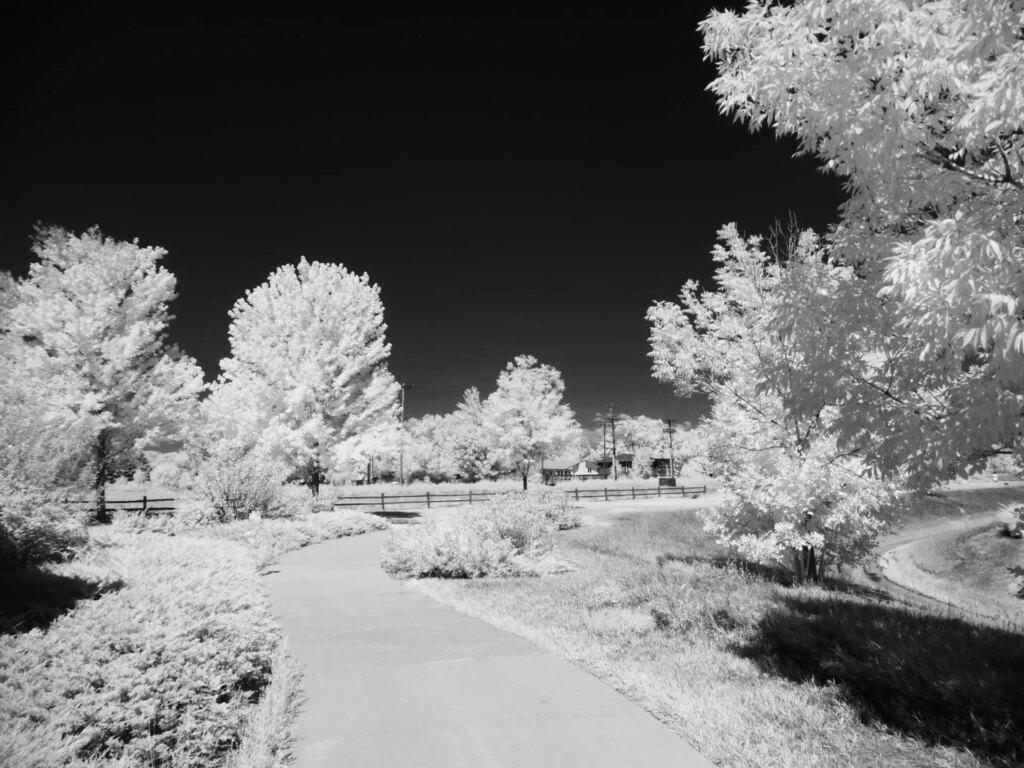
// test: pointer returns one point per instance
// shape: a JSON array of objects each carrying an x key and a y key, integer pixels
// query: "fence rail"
[
  {"x": 144, "y": 504},
  {"x": 382, "y": 501}
]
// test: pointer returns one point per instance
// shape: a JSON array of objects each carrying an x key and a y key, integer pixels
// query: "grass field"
[{"x": 754, "y": 673}]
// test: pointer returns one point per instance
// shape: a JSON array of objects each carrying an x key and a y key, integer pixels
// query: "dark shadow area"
[
  {"x": 770, "y": 573},
  {"x": 941, "y": 680},
  {"x": 396, "y": 516},
  {"x": 33, "y": 598},
  {"x": 1016, "y": 570}
]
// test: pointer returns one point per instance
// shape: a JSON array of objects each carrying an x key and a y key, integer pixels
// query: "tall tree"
[
  {"x": 526, "y": 416},
  {"x": 90, "y": 319},
  {"x": 792, "y": 493},
  {"x": 308, "y": 369},
  {"x": 919, "y": 317}
]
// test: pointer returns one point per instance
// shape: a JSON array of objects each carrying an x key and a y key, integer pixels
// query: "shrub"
[
  {"x": 162, "y": 672},
  {"x": 489, "y": 541},
  {"x": 34, "y": 530},
  {"x": 237, "y": 483},
  {"x": 450, "y": 548}
]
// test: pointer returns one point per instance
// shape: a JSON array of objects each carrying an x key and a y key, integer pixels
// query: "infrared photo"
[{"x": 391, "y": 387}]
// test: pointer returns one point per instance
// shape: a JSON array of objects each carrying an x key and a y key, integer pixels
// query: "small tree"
[
  {"x": 526, "y": 417},
  {"x": 91, "y": 315},
  {"x": 307, "y": 370},
  {"x": 792, "y": 493}
]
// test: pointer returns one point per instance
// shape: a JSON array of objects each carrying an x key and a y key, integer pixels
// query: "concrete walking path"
[{"x": 394, "y": 679}]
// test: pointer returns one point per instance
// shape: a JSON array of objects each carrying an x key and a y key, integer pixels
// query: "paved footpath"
[{"x": 394, "y": 679}]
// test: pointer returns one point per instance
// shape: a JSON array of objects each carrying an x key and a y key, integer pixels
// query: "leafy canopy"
[{"x": 919, "y": 107}]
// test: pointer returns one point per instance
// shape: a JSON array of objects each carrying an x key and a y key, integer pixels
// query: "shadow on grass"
[
  {"x": 770, "y": 573},
  {"x": 33, "y": 598},
  {"x": 941, "y": 680},
  {"x": 399, "y": 517}
]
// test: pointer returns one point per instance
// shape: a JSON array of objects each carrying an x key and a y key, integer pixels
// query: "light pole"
[
  {"x": 670, "y": 430},
  {"x": 606, "y": 420},
  {"x": 401, "y": 445}
]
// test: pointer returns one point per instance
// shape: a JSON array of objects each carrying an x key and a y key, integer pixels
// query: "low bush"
[
  {"x": 35, "y": 530},
  {"x": 161, "y": 672},
  {"x": 493, "y": 540},
  {"x": 238, "y": 484},
  {"x": 453, "y": 548}
]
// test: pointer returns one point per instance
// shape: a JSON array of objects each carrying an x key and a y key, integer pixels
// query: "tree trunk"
[
  {"x": 805, "y": 565},
  {"x": 315, "y": 476},
  {"x": 523, "y": 471},
  {"x": 101, "y": 453}
]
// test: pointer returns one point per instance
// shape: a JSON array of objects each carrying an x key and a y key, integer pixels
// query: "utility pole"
[
  {"x": 401, "y": 446},
  {"x": 670, "y": 430},
  {"x": 610, "y": 419}
]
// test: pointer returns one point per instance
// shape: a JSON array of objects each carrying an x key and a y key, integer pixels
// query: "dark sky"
[{"x": 515, "y": 184}]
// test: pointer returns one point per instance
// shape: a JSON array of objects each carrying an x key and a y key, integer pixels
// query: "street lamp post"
[{"x": 401, "y": 446}]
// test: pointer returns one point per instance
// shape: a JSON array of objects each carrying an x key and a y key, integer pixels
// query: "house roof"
[{"x": 560, "y": 463}]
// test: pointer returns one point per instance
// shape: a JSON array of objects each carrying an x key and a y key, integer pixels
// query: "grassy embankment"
[
  {"x": 951, "y": 553},
  {"x": 150, "y": 649},
  {"x": 755, "y": 673}
]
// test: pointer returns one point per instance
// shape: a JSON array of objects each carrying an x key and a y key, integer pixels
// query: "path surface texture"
[{"x": 394, "y": 679}]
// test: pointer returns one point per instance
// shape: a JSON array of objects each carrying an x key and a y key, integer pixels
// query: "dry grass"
[{"x": 754, "y": 673}]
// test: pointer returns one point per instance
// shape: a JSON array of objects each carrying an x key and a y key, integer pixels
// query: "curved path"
[
  {"x": 394, "y": 679},
  {"x": 896, "y": 545}
]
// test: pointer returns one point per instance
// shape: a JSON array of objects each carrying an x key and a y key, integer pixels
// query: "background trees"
[
  {"x": 84, "y": 338},
  {"x": 526, "y": 416},
  {"x": 920, "y": 107},
  {"x": 307, "y": 370}
]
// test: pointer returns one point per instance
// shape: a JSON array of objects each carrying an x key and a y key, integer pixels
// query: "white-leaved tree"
[
  {"x": 307, "y": 377},
  {"x": 526, "y": 417},
  {"x": 914, "y": 330},
  {"x": 87, "y": 327},
  {"x": 793, "y": 495},
  {"x": 645, "y": 439}
]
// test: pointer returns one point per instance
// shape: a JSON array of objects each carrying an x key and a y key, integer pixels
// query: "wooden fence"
[
  {"x": 143, "y": 505},
  {"x": 382, "y": 502}
]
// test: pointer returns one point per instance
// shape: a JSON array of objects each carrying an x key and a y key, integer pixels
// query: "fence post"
[
  {"x": 382, "y": 503},
  {"x": 143, "y": 505},
  {"x": 659, "y": 490},
  {"x": 634, "y": 492},
  {"x": 577, "y": 491},
  {"x": 606, "y": 494},
  {"x": 705, "y": 489},
  {"x": 428, "y": 499},
  {"x": 470, "y": 498}
]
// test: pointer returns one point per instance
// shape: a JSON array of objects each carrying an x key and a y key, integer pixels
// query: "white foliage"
[
  {"x": 919, "y": 107},
  {"x": 788, "y": 483},
  {"x": 85, "y": 337},
  {"x": 526, "y": 417},
  {"x": 307, "y": 371}
]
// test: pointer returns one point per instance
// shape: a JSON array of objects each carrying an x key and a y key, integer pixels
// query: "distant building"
[
  {"x": 556, "y": 470},
  {"x": 599, "y": 469},
  {"x": 624, "y": 460}
]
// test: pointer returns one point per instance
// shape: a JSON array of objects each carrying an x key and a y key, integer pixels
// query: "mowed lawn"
[{"x": 756, "y": 673}]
